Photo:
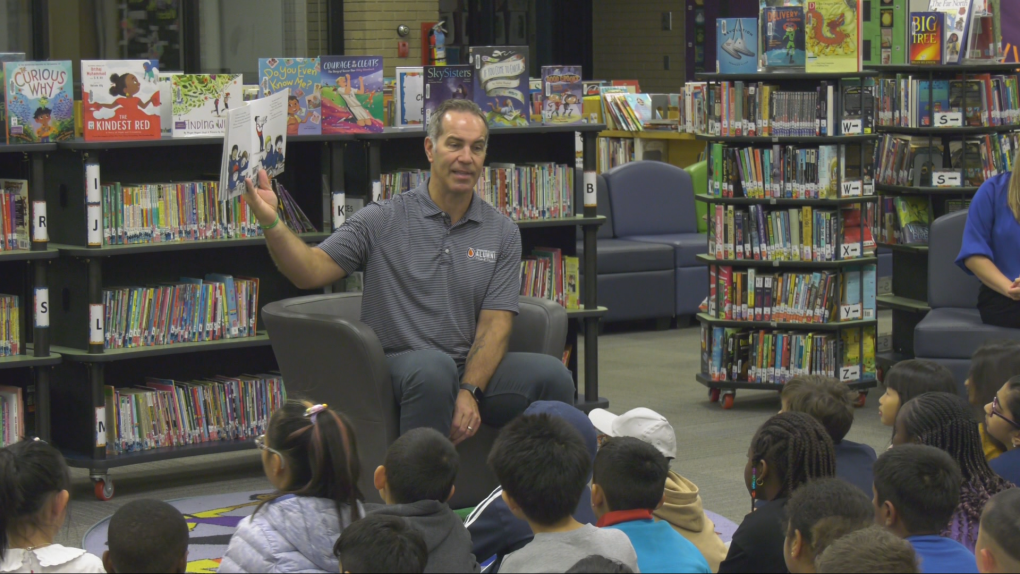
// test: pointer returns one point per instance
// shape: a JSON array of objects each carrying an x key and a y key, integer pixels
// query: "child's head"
[
  {"x": 420, "y": 465},
  {"x": 826, "y": 399},
  {"x": 788, "y": 450},
  {"x": 992, "y": 364},
  {"x": 908, "y": 379},
  {"x": 996, "y": 548},
  {"x": 818, "y": 513},
  {"x": 872, "y": 550},
  {"x": 381, "y": 543},
  {"x": 917, "y": 489},
  {"x": 640, "y": 423},
  {"x": 599, "y": 564},
  {"x": 543, "y": 466},
  {"x": 42, "y": 114},
  {"x": 279, "y": 144},
  {"x": 310, "y": 450},
  {"x": 147, "y": 536},
  {"x": 1002, "y": 413},
  {"x": 33, "y": 492},
  {"x": 629, "y": 474},
  {"x": 125, "y": 85}
]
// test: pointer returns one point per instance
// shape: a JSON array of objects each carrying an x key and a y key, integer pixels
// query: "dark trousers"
[
  {"x": 997, "y": 309},
  {"x": 426, "y": 384}
]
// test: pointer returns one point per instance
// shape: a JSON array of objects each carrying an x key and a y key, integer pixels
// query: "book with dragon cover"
[
  {"x": 120, "y": 100},
  {"x": 736, "y": 45},
  {"x": 201, "y": 103},
  {"x": 39, "y": 100},
  {"x": 352, "y": 94},
  {"x": 501, "y": 84},
  {"x": 782, "y": 37},
  {"x": 831, "y": 39},
  {"x": 301, "y": 76}
]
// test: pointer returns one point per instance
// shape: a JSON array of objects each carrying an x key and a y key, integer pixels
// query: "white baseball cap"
[{"x": 640, "y": 423}]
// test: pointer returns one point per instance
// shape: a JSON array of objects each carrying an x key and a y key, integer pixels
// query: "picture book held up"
[{"x": 255, "y": 138}]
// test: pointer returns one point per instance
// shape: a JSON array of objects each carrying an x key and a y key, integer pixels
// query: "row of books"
[
  {"x": 979, "y": 100},
  {"x": 10, "y": 325},
  {"x": 795, "y": 234},
  {"x": 188, "y": 311},
  {"x": 14, "y": 214},
  {"x": 819, "y": 297},
  {"x": 903, "y": 220},
  {"x": 613, "y": 152},
  {"x": 169, "y": 413},
  {"x": 395, "y": 183},
  {"x": 775, "y": 357},
  {"x": 12, "y": 415},
  {"x": 533, "y": 191},
  {"x": 791, "y": 171},
  {"x": 918, "y": 161},
  {"x": 549, "y": 274}
]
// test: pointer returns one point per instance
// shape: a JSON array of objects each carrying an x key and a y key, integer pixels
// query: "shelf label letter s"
[{"x": 42, "y": 307}]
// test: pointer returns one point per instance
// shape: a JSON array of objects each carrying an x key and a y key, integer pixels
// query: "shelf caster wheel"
[
  {"x": 713, "y": 395},
  {"x": 728, "y": 399},
  {"x": 862, "y": 398},
  {"x": 104, "y": 489}
]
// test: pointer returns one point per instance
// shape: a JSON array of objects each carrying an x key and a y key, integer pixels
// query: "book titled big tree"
[
  {"x": 833, "y": 29},
  {"x": 926, "y": 36},
  {"x": 446, "y": 83},
  {"x": 301, "y": 76},
  {"x": 501, "y": 83},
  {"x": 782, "y": 37},
  {"x": 202, "y": 101},
  {"x": 736, "y": 45},
  {"x": 255, "y": 138},
  {"x": 956, "y": 25},
  {"x": 352, "y": 94},
  {"x": 39, "y": 100},
  {"x": 6, "y": 57},
  {"x": 561, "y": 94},
  {"x": 120, "y": 100},
  {"x": 409, "y": 96}
]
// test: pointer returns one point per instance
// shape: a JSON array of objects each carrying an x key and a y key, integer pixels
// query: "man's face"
[{"x": 458, "y": 156}]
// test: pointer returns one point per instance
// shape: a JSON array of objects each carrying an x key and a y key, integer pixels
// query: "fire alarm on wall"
[{"x": 402, "y": 49}]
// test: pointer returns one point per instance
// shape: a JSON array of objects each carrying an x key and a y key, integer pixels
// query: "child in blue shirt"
[
  {"x": 627, "y": 486},
  {"x": 917, "y": 489},
  {"x": 820, "y": 512}
]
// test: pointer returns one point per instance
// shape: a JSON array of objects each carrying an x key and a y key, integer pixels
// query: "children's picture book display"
[
  {"x": 561, "y": 95},
  {"x": 202, "y": 101},
  {"x": 120, "y": 100},
  {"x": 782, "y": 37},
  {"x": 40, "y": 101},
  {"x": 352, "y": 94},
  {"x": 501, "y": 84},
  {"x": 301, "y": 76},
  {"x": 736, "y": 45},
  {"x": 409, "y": 96},
  {"x": 443, "y": 83},
  {"x": 831, "y": 39},
  {"x": 255, "y": 138}
]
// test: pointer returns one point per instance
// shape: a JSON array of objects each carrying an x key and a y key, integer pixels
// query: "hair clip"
[{"x": 314, "y": 410}]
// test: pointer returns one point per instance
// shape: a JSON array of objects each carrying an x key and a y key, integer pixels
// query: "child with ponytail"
[
  {"x": 33, "y": 505},
  {"x": 310, "y": 455}
]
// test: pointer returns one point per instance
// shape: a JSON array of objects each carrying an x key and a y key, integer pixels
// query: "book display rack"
[
  {"x": 945, "y": 129},
  {"x": 791, "y": 258}
]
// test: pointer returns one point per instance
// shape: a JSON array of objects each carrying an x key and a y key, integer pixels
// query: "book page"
[{"x": 237, "y": 153}]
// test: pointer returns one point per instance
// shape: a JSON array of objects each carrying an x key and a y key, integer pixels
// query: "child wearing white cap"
[{"x": 682, "y": 508}]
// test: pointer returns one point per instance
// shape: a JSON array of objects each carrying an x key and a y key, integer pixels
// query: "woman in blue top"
[{"x": 991, "y": 249}]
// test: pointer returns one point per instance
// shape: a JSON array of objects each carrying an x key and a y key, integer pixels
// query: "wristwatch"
[{"x": 477, "y": 393}]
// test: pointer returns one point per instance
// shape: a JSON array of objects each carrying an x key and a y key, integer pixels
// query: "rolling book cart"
[
  {"x": 24, "y": 273},
  {"x": 909, "y": 298},
  {"x": 837, "y": 344}
]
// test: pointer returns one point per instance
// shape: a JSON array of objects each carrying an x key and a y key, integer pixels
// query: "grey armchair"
[{"x": 328, "y": 355}]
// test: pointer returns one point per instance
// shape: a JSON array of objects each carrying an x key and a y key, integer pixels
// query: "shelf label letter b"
[{"x": 590, "y": 197}]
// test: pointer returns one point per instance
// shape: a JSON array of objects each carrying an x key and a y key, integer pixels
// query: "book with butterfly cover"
[{"x": 736, "y": 45}]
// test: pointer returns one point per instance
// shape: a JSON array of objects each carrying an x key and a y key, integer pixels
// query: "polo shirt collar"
[
  {"x": 430, "y": 209},
  {"x": 618, "y": 516}
]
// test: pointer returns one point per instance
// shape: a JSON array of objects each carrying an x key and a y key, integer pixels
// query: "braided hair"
[
  {"x": 944, "y": 421},
  {"x": 797, "y": 447}
]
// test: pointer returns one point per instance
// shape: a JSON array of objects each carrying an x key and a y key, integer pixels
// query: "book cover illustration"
[
  {"x": 410, "y": 96},
  {"x": 782, "y": 36},
  {"x": 166, "y": 94},
  {"x": 352, "y": 94},
  {"x": 926, "y": 35},
  {"x": 202, "y": 101},
  {"x": 501, "y": 83},
  {"x": 939, "y": 100},
  {"x": 255, "y": 138},
  {"x": 40, "y": 101},
  {"x": 736, "y": 45},
  {"x": 831, "y": 40},
  {"x": 446, "y": 83},
  {"x": 957, "y": 21},
  {"x": 6, "y": 57},
  {"x": 301, "y": 76},
  {"x": 120, "y": 100},
  {"x": 561, "y": 94}
]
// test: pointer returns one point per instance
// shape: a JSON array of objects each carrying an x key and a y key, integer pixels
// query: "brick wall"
[
  {"x": 370, "y": 28},
  {"x": 629, "y": 42}
]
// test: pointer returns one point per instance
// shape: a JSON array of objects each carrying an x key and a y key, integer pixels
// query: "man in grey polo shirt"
[{"x": 442, "y": 281}]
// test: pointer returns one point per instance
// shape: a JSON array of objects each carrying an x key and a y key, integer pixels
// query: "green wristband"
[{"x": 271, "y": 225}]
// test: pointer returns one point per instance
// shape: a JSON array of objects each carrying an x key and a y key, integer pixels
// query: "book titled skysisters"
[{"x": 446, "y": 83}]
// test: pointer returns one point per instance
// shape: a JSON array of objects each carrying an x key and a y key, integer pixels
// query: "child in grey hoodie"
[{"x": 415, "y": 481}]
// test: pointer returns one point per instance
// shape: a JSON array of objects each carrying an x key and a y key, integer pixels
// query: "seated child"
[
  {"x": 495, "y": 531},
  {"x": 944, "y": 421},
  {"x": 872, "y": 550},
  {"x": 147, "y": 536},
  {"x": 997, "y": 550},
  {"x": 917, "y": 489},
  {"x": 820, "y": 512},
  {"x": 310, "y": 455},
  {"x": 542, "y": 464},
  {"x": 380, "y": 543},
  {"x": 627, "y": 485},
  {"x": 682, "y": 507},
  {"x": 830, "y": 403},
  {"x": 787, "y": 451},
  {"x": 599, "y": 564},
  {"x": 415, "y": 480},
  {"x": 908, "y": 379},
  {"x": 1002, "y": 421},
  {"x": 33, "y": 506},
  {"x": 991, "y": 365}
]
